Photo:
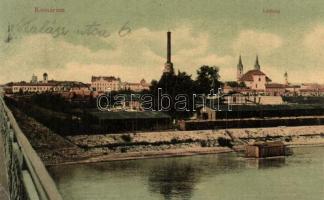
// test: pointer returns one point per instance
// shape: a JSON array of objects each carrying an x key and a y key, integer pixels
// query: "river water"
[{"x": 218, "y": 176}]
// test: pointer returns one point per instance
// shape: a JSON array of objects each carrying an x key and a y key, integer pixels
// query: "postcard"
[{"x": 161, "y": 99}]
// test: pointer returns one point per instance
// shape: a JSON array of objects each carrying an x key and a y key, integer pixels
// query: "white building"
[
  {"x": 32, "y": 87},
  {"x": 105, "y": 83},
  {"x": 34, "y": 79},
  {"x": 46, "y": 85},
  {"x": 136, "y": 87}
]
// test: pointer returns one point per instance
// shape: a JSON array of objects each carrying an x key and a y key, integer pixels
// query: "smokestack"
[
  {"x": 168, "y": 66},
  {"x": 169, "y": 47}
]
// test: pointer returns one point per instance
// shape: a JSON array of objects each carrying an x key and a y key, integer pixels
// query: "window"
[{"x": 259, "y": 79}]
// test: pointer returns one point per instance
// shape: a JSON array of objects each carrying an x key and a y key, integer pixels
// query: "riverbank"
[
  {"x": 148, "y": 155},
  {"x": 162, "y": 154},
  {"x": 143, "y": 145},
  {"x": 56, "y": 150}
]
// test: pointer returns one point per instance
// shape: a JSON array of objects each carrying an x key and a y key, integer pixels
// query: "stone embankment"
[
  {"x": 55, "y": 149},
  {"x": 298, "y": 135}
]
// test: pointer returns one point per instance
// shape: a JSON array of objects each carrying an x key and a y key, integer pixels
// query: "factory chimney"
[
  {"x": 168, "y": 66},
  {"x": 169, "y": 47}
]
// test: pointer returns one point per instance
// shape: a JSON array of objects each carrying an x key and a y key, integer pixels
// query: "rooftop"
[
  {"x": 248, "y": 76},
  {"x": 129, "y": 115},
  {"x": 275, "y": 85},
  {"x": 106, "y": 78},
  {"x": 268, "y": 144}
]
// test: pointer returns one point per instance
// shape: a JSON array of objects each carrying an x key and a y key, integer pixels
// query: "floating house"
[{"x": 265, "y": 149}]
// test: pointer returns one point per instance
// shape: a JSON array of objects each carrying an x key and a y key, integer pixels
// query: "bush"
[
  {"x": 288, "y": 139},
  {"x": 203, "y": 143},
  {"x": 224, "y": 142},
  {"x": 123, "y": 149},
  {"x": 268, "y": 137},
  {"x": 127, "y": 138},
  {"x": 174, "y": 141}
]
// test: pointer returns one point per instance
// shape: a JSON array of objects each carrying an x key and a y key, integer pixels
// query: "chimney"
[
  {"x": 169, "y": 47},
  {"x": 168, "y": 66}
]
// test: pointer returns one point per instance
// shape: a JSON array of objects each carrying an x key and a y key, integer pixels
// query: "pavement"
[{"x": 3, "y": 174}]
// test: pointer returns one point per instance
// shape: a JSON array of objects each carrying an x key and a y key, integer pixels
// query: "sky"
[{"x": 129, "y": 40}]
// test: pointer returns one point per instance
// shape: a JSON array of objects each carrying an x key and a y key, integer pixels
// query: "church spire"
[
  {"x": 9, "y": 37},
  {"x": 239, "y": 69},
  {"x": 286, "y": 78},
  {"x": 257, "y": 65},
  {"x": 240, "y": 61}
]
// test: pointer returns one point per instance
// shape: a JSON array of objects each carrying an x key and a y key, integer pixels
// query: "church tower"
[
  {"x": 45, "y": 78},
  {"x": 239, "y": 69},
  {"x": 286, "y": 78},
  {"x": 168, "y": 66},
  {"x": 9, "y": 37},
  {"x": 257, "y": 65}
]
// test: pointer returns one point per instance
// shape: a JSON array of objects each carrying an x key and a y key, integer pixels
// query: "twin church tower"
[{"x": 240, "y": 67}]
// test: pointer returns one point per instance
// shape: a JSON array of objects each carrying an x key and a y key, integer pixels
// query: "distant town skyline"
[{"x": 128, "y": 38}]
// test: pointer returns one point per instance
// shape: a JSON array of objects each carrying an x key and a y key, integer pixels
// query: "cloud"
[
  {"x": 141, "y": 54},
  {"x": 314, "y": 41},
  {"x": 250, "y": 42}
]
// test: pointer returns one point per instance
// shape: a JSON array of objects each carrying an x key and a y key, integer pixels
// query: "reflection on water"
[
  {"x": 266, "y": 163},
  {"x": 173, "y": 179},
  {"x": 223, "y": 176}
]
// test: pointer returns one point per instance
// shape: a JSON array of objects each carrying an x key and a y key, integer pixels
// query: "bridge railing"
[{"x": 27, "y": 175}]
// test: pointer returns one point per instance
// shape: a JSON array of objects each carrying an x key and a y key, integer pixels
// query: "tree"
[
  {"x": 242, "y": 85},
  {"x": 207, "y": 79},
  {"x": 184, "y": 85},
  {"x": 173, "y": 85},
  {"x": 232, "y": 84},
  {"x": 235, "y": 84}
]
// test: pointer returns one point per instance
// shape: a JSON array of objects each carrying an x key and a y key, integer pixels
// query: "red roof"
[
  {"x": 275, "y": 85},
  {"x": 248, "y": 76},
  {"x": 106, "y": 78},
  {"x": 312, "y": 90},
  {"x": 33, "y": 84},
  {"x": 292, "y": 86}
]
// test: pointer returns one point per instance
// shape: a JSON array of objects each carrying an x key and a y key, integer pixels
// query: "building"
[
  {"x": 275, "y": 89},
  {"x": 105, "y": 83},
  {"x": 79, "y": 88},
  {"x": 311, "y": 89},
  {"x": 122, "y": 121},
  {"x": 111, "y": 83},
  {"x": 257, "y": 82},
  {"x": 136, "y": 87},
  {"x": 33, "y": 87},
  {"x": 292, "y": 90},
  {"x": 265, "y": 149},
  {"x": 34, "y": 79},
  {"x": 46, "y": 85},
  {"x": 254, "y": 79}
]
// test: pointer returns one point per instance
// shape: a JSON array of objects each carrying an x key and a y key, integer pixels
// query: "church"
[{"x": 254, "y": 79}]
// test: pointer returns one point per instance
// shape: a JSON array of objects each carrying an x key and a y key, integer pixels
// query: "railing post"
[{"x": 28, "y": 178}]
